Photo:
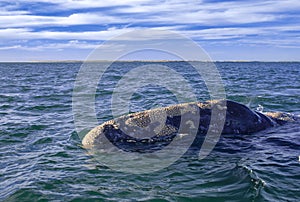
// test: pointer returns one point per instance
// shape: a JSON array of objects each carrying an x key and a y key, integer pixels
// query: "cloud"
[
  {"x": 147, "y": 12},
  {"x": 13, "y": 21},
  {"x": 10, "y": 47},
  {"x": 25, "y": 33},
  {"x": 83, "y": 24},
  {"x": 238, "y": 35},
  {"x": 80, "y": 4},
  {"x": 209, "y": 33},
  {"x": 74, "y": 44}
]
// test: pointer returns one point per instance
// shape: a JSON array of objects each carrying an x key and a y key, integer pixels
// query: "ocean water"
[{"x": 41, "y": 158}]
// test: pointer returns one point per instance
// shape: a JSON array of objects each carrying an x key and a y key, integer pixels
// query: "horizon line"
[{"x": 93, "y": 61}]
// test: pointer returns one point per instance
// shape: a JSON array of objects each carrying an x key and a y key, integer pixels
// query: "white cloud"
[
  {"x": 54, "y": 46},
  {"x": 148, "y": 12},
  {"x": 29, "y": 34},
  {"x": 217, "y": 13},
  {"x": 246, "y": 35},
  {"x": 174, "y": 5},
  {"x": 10, "y": 47},
  {"x": 74, "y": 44},
  {"x": 79, "y": 4},
  {"x": 12, "y": 21},
  {"x": 233, "y": 22}
]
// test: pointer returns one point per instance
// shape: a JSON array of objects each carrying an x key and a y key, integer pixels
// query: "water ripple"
[{"x": 42, "y": 159}]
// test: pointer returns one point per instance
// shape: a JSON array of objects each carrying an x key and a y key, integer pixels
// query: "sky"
[{"x": 227, "y": 30}]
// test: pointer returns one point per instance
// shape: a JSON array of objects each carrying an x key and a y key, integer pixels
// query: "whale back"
[
  {"x": 241, "y": 119},
  {"x": 164, "y": 124}
]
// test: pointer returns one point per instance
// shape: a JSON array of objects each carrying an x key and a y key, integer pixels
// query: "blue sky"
[{"x": 227, "y": 30}]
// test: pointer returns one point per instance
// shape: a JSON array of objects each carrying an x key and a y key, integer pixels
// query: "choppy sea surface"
[{"x": 41, "y": 158}]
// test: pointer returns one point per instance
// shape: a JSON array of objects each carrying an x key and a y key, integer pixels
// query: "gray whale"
[{"x": 163, "y": 124}]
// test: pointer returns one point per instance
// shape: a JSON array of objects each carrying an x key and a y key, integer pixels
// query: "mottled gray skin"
[{"x": 162, "y": 124}]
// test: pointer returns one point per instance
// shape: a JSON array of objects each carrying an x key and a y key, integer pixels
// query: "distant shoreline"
[{"x": 159, "y": 61}]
